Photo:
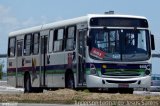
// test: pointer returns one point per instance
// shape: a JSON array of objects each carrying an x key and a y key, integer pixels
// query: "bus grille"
[{"x": 111, "y": 81}]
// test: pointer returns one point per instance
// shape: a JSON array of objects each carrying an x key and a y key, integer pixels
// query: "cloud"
[
  {"x": 31, "y": 21},
  {"x": 9, "y": 23},
  {"x": 6, "y": 19}
]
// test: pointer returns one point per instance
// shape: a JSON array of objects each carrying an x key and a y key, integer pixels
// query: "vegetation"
[
  {"x": 67, "y": 96},
  {"x": 1, "y": 67},
  {"x": 1, "y": 71}
]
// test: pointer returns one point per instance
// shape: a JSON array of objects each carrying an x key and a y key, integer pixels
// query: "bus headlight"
[
  {"x": 93, "y": 70},
  {"x": 147, "y": 72}
]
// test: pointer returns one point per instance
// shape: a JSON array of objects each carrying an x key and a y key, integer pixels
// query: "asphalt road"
[{"x": 6, "y": 89}]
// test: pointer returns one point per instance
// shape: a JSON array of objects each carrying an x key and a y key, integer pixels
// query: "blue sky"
[{"x": 18, "y": 14}]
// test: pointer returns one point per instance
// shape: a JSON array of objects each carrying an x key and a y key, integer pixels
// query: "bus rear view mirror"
[
  {"x": 152, "y": 42},
  {"x": 89, "y": 41}
]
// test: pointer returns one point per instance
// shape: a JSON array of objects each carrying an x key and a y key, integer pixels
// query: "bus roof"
[{"x": 68, "y": 22}]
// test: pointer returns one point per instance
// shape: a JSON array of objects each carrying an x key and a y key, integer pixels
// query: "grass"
[{"x": 66, "y": 96}]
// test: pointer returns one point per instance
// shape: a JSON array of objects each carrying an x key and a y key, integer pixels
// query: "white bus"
[{"x": 96, "y": 51}]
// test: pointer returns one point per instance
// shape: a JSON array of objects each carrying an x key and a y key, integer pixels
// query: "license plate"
[{"x": 123, "y": 85}]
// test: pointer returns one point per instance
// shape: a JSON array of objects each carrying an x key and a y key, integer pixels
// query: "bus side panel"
[
  {"x": 35, "y": 74},
  {"x": 31, "y": 65},
  {"x": 20, "y": 72},
  {"x": 56, "y": 70},
  {"x": 71, "y": 64},
  {"x": 11, "y": 71}
]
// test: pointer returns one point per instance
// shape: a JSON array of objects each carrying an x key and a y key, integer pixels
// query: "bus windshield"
[{"x": 119, "y": 44}]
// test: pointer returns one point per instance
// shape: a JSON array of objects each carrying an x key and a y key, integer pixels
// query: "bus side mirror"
[
  {"x": 88, "y": 41},
  {"x": 152, "y": 42}
]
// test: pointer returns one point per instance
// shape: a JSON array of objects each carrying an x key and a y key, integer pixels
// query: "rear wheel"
[
  {"x": 27, "y": 84},
  {"x": 70, "y": 81}
]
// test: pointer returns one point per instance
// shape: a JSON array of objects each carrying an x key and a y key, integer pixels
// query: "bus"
[{"x": 96, "y": 51}]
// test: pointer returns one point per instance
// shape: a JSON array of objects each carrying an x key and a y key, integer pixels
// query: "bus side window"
[
  {"x": 27, "y": 44},
  {"x": 11, "y": 47},
  {"x": 19, "y": 48},
  {"x": 58, "y": 40},
  {"x": 50, "y": 44},
  {"x": 36, "y": 43},
  {"x": 70, "y": 40}
]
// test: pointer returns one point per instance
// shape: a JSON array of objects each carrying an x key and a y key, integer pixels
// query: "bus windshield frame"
[{"x": 119, "y": 44}]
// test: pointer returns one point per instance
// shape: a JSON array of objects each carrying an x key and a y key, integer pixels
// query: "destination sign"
[{"x": 118, "y": 22}]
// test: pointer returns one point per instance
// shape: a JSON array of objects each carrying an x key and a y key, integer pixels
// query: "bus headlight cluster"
[{"x": 93, "y": 70}]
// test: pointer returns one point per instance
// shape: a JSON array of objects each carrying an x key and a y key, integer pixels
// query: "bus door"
[
  {"x": 43, "y": 60},
  {"x": 19, "y": 63},
  {"x": 81, "y": 57}
]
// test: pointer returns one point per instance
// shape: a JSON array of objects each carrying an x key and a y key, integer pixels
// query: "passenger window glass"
[
  {"x": 27, "y": 45},
  {"x": 36, "y": 43},
  {"x": 60, "y": 33},
  {"x": 19, "y": 48},
  {"x": 50, "y": 48},
  {"x": 57, "y": 45},
  {"x": 11, "y": 49},
  {"x": 71, "y": 32},
  {"x": 58, "y": 40},
  {"x": 70, "y": 38}
]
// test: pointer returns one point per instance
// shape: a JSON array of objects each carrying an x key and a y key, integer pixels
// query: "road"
[
  {"x": 6, "y": 89},
  {"x": 27, "y": 104},
  {"x": 146, "y": 93}
]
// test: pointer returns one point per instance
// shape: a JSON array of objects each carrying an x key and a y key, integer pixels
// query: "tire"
[
  {"x": 70, "y": 81},
  {"x": 27, "y": 84}
]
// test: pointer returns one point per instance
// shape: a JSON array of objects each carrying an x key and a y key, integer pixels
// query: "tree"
[
  {"x": 1, "y": 67},
  {"x": 0, "y": 71}
]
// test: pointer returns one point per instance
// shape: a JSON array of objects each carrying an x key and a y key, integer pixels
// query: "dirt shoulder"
[{"x": 67, "y": 96}]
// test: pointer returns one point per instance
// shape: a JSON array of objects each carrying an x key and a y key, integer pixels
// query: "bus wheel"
[
  {"x": 27, "y": 84},
  {"x": 70, "y": 81}
]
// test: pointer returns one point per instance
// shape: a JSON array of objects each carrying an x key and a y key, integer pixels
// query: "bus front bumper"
[{"x": 100, "y": 82}]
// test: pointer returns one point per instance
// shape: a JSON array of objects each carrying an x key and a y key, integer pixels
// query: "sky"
[{"x": 19, "y": 14}]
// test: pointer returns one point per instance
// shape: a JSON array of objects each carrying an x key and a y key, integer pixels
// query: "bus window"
[
  {"x": 70, "y": 38},
  {"x": 27, "y": 45},
  {"x": 58, "y": 40},
  {"x": 36, "y": 43},
  {"x": 19, "y": 48},
  {"x": 11, "y": 48},
  {"x": 50, "y": 46}
]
